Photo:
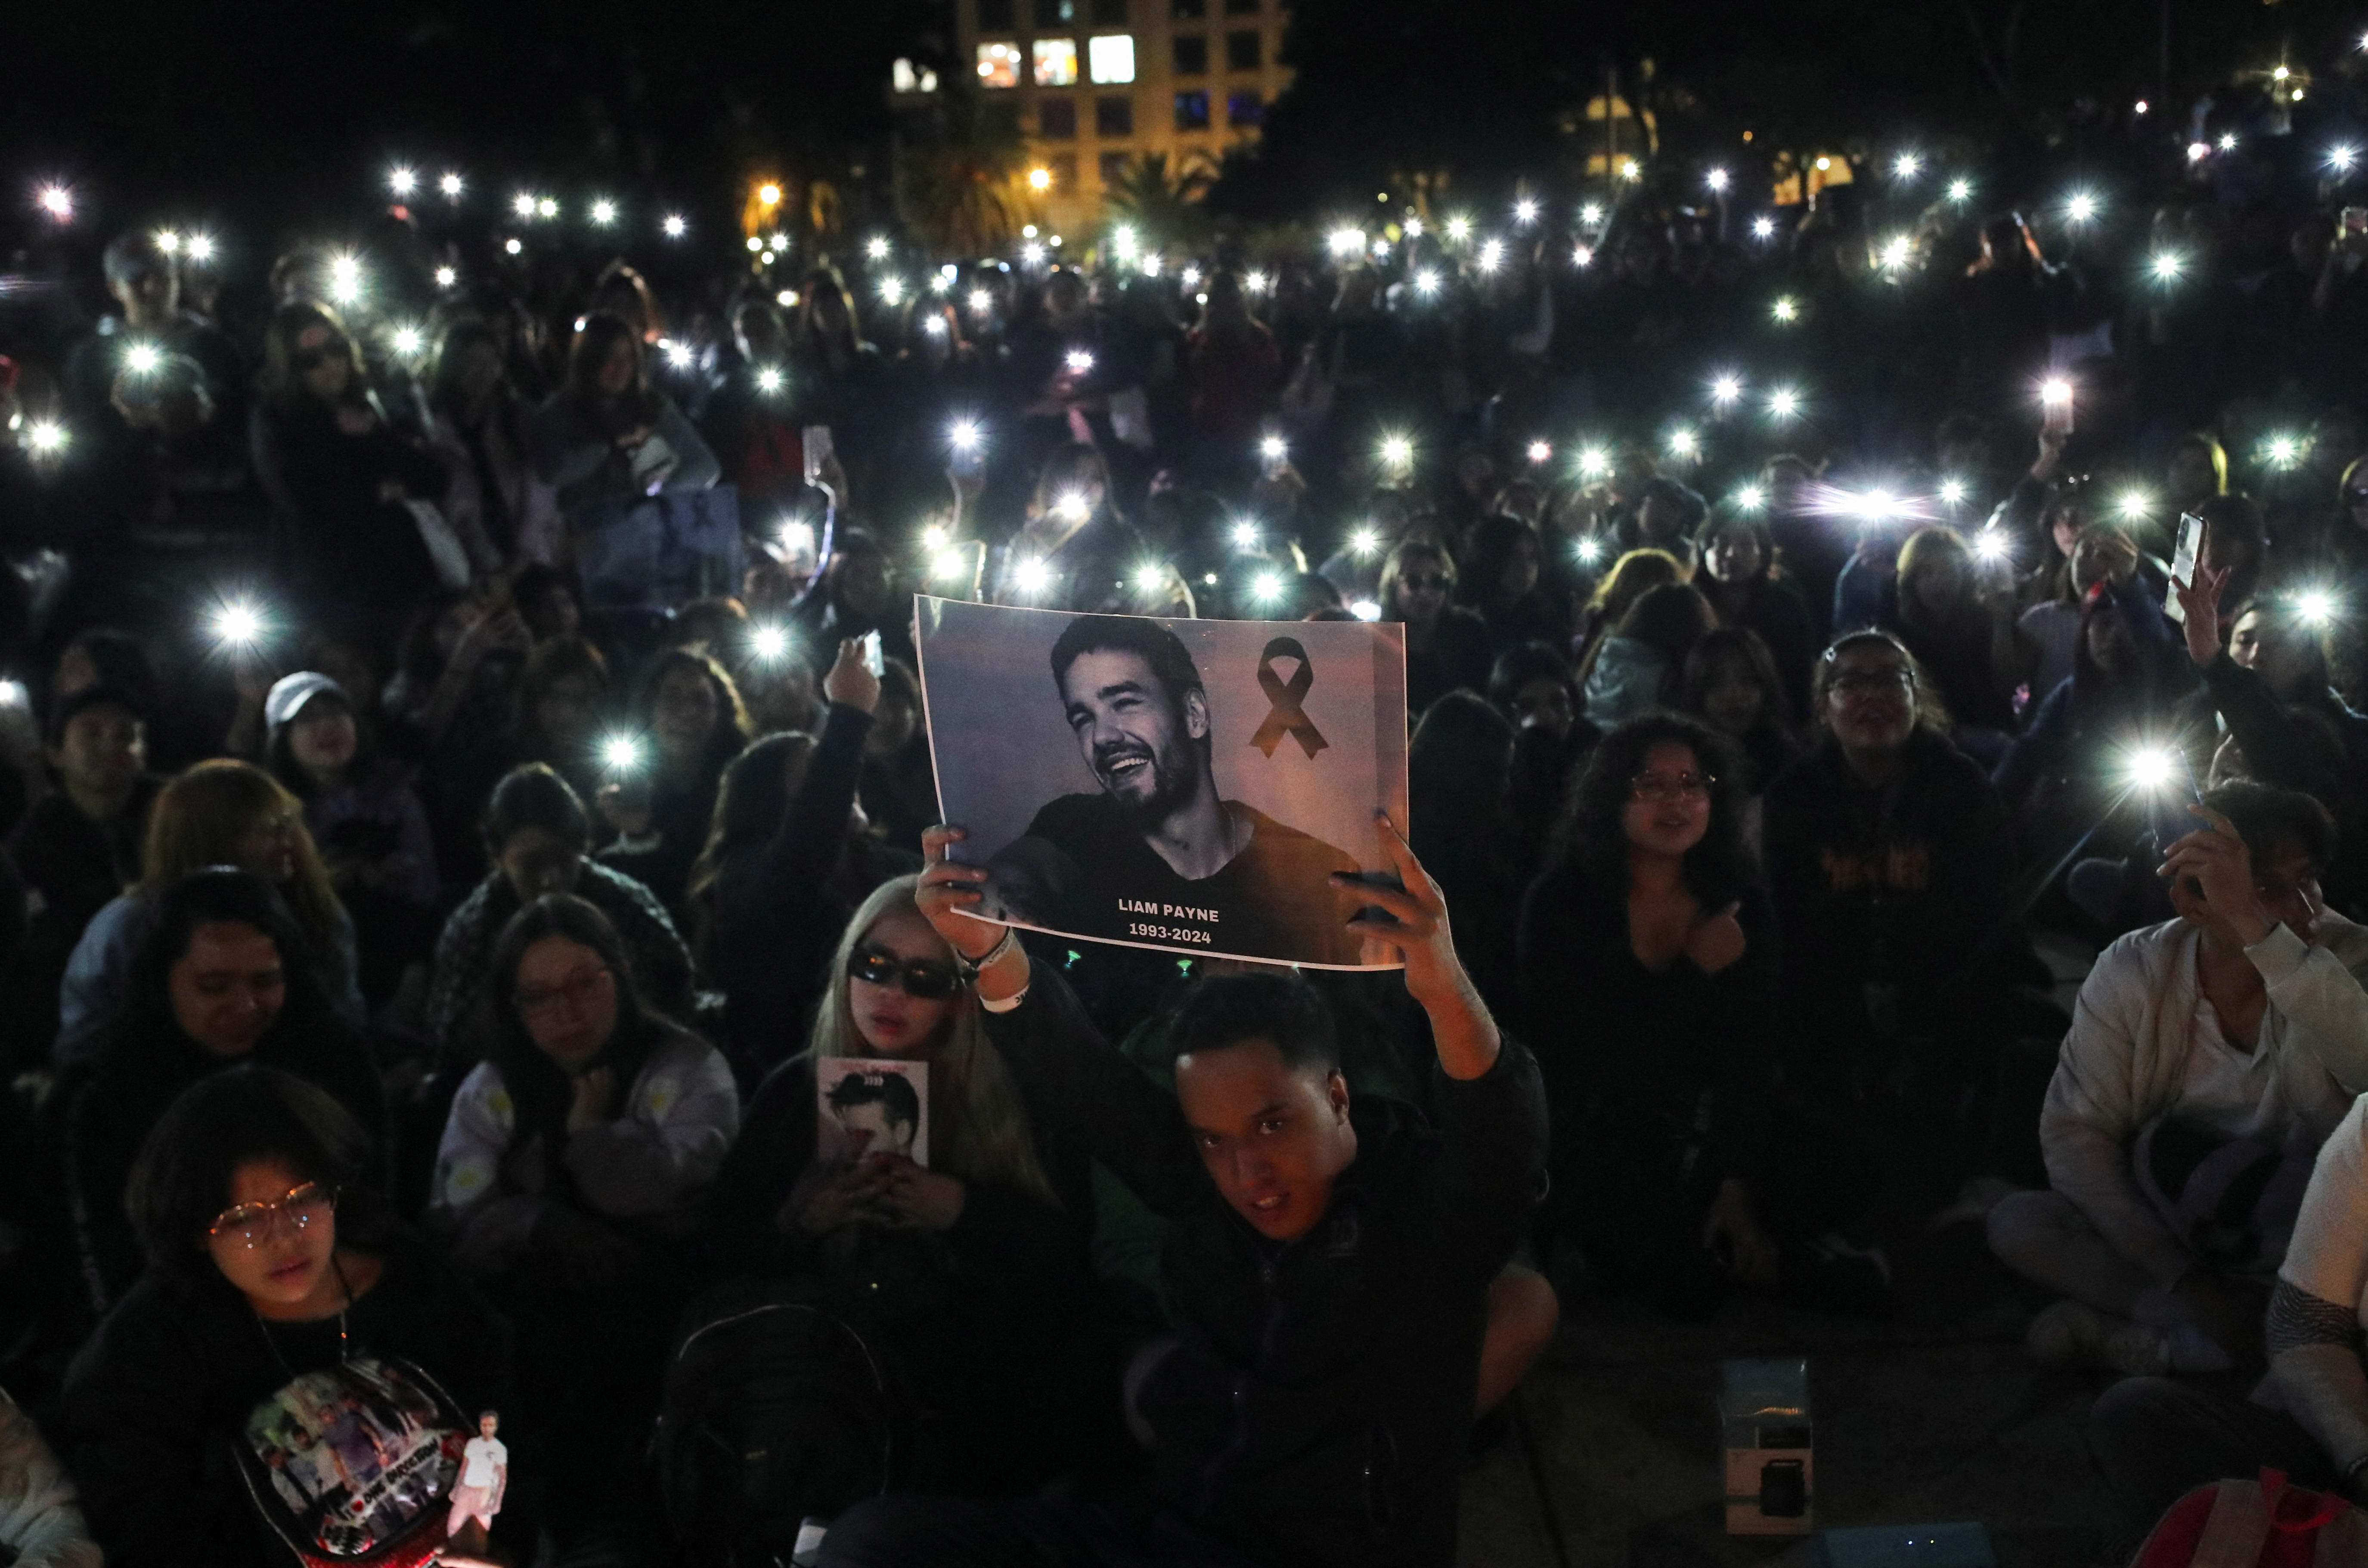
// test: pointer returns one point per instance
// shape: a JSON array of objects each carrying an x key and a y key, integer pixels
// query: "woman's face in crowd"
[
  {"x": 565, "y": 709},
  {"x": 2066, "y": 528},
  {"x": 289, "y": 1261},
  {"x": 567, "y": 996},
  {"x": 891, "y": 1022},
  {"x": 2109, "y": 641},
  {"x": 1871, "y": 701},
  {"x": 685, "y": 712},
  {"x": 616, "y": 376},
  {"x": 539, "y": 862},
  {"x": 1733, "y": 556},
  {"x": 1731, "y": 699},
  {"x": 269, "y": 845},
  {"x": 1659, "y": 518},
  {"x": 323, "y": 738},
  {"x": 227, "y": 988},
  {"x": 1422, "y": 591},
  {"x": 2284, "y": 658},
  {"x": 1520, "y": 571},
  {"x": 1544, "y": 703},
  {"x": 1668, "y": 808},
  {"x": 1937, "y": 582},
  {"x": 321, "y": 363}
]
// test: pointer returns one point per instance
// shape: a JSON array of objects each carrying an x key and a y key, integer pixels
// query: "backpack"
[
  {"x": 353, "y": 1466},
  {"x": 776, "y": 1410},
  {"x": 2263, "y": 1524}
]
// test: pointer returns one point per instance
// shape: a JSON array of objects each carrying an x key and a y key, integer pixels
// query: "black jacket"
[
  {"x": 1313, "y": 1410},
  {"x": 155, "y": 1400}
]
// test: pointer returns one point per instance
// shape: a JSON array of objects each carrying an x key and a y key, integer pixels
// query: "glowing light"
[
  {"x": 1413, "y": 228},
  {"x": 1072, "y": 506},
  {"x": 1425, "y": 282},
  {"x": 1150, "y": 579},
  {"x": 2198, "y": 151},
  {"x": 754, "y": 244},
  {"x": 1258, "y": 282},
  {"x": 1079, "y": 361},
  {"x": 1123, "y": 242},
  {"x": 621, "y": 753},
  {"x": 522, "y": 204},
  {"x": 981, "y": 300},
  {"x": 1267, "y": 587},
  {"x": 1784, "y": 402},
  {"x": 1274, "y": 449},
  {"x": 893, "y": 291},
  {"x": 409, "y": 342},
  {"x": 201, "y": 247},
  {"x": 2284, "y": 449},
  {"x": 2150, "y": 768},
  {"x": 1582, "y": 257},
  {"x": 403, "y": 182},
  {"x": 2134, "y": 505},
  {"x": 1681, "y": 442},
  {"x": 1750, "y": 499},
  {"x": 2281, "y": 74},
  {"x": 1346, "y": 242},
  {"x": 1032, "y": 576},
  {"x": 1525, "y": 211},
  {"x": 546, "y": 208},
  {"x": 1397, "y": 451},
  {"x": 769, "y": 195},
  {"x": 1040, "y": 178},
  {"x": 1897, "y": 252},
  {"x": 1590, "y": 214},
  {"x": 1492, "y": 255},
  {"x": 1540, "y": 451},
  {"x": 604, "y": 212},
  {"x": 2340, "y": 159},
  {"x": 2228, "y": 142},
  {"x": 168, "y": 241},
  {"x": 2081, "y": 207},
  {"x": 57, "y": 201},
  {"x": 764, "y": 258},
  {"x": 1763, "y": 227},
  {"x": 141, "y": 358},
  {"x": 450, "y": 185},
  {"x": 966, "y": 436},
  {"x": 1961, "y": 190},
  {"x": 1245, "y": 536},
  {"x": 674, "y": 228},
  {"x": 1906, "y": 165},
  {"x": 769, "y": 643},
  {"x": 2056, "y": 392},
  {"x": 1991, "y": 544},
  {"x": 513, "y": 245},
  {"x": 948, "y": 564},
  {"x": 1823, "y": 164},
  {"x": 1725, "y": 390},
  {"x": 45, "y": 437},
  {"x": 2314, "y": 606},
  {"x": 2166, "y": 266},
  {"x": 1150, "y": 263},
  {"x": 345, "y": 280},
  {"x": 1593, "y": 463},
  {"x": 1031, "y": 253},
  {"x": 1953, "y": 492},
  {"x": 935, "y": 327},
  {"x": 1458, "y": 228},
  {"x": 876, "y": 247},
  {"x": 1630, "y": 170},
  {"x": 1785, "y": 309},
  {"x": 769, "y": 378},
  {"x": 679, "y": 354},
  {"x": 1365, "y": 610},
  {"x": 1715, "y": 179},
  {"x": 238, "y": 623},
  {"x": 1590, "y": 550},
  {"x": 1363, "y": 542}
]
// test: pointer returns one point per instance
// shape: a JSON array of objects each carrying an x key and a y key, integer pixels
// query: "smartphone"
[
  {"x": 652, "y": 460},
  {"x": 2355, "y": 220},
  {"x": 872, "y": 658},
  {"x": 2182, "y": 565},
  {"x": 2057, "y": 415},
  {"x": 799, "y": 552},
  {"x": 816, "y": 441}
]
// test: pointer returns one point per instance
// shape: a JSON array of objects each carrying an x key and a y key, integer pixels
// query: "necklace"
[{"x": 343, "y": 1340}]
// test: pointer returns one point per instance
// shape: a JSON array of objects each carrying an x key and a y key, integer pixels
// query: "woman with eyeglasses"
[
  {"x": 219, "y": 813},
  {"x": 343, "y": 475},
  {"x": 975, "y": 1265},
  {"x": 1447, "y": 645},
  {"x": 1669, "y": 1171},
  {"x": 223, "y": 977},
  {"x": 270, "y": 1256}
]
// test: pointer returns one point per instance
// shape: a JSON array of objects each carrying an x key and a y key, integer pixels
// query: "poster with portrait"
[
  {"x": 1185, "y": 785},
  {"x": 865, "y": 1106}
]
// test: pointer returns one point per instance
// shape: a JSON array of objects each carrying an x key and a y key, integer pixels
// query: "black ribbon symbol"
[{"x": 1287, "y": 717}]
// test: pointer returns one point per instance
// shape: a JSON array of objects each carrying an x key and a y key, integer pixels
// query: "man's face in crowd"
[
  {"x": 1733, "y": 556},
  {"x": 538, "y": 861},
  {"x": 1273, "y": 1139},
  {"x": 101, "y": 752},
  {"x": 1138, "y": 740},
  {"x": 2286, "y": 883}
]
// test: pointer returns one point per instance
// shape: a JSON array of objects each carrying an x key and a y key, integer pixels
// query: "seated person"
[
  {"x": 223, "y": 977},
  {"x": 1330, "y": 1264},
  {"x": 2208, "y": 1059},
  {"x": 1668, "y": 1169},
  {"x": 537, "y": 834},
  {"x": 43, "y": 1525},
  {"x": 983, "y": 1254},
  {"x": 269, "y": 1256},
  {"x": 2157, "y": 1440}
]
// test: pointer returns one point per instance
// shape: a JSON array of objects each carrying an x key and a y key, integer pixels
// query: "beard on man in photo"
[{"x": 1159, "y": 853}]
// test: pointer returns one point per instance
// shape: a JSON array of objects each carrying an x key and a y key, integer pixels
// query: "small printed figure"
[{"x": 484, "y": 1475}]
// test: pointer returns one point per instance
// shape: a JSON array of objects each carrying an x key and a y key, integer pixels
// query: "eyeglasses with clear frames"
[
  {"x": 252, "y": 1224},
  {"x": 1664, "y": 787}
]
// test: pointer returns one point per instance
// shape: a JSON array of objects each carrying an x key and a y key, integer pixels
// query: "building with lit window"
[{"x": 1095, "y": 83}]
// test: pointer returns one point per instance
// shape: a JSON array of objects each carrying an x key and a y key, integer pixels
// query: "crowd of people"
[{"x": 468, "y": 779}]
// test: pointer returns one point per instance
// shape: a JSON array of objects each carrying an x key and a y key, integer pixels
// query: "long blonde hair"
[{"x": 978, "y": 1130}]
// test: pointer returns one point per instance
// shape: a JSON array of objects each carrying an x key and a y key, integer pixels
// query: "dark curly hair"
[{"x": 1592, "y": 835}]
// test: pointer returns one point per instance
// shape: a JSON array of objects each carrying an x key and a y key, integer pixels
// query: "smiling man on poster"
[{"x": 1159, "y": 855}]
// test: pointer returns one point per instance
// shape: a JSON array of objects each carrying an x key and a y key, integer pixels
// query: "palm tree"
[
  {"x": 1164, "y": 203},
  {"x": 963, "y": 188}
]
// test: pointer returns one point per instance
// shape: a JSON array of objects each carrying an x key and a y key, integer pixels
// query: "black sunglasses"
[{"x": 930, "y": 982}]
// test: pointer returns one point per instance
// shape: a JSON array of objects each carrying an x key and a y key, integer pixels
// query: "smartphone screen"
[
  {"x": 872, "y": 659},
  {"x": 2182, "y": 565},
  {"x": 815, "y": 439}
]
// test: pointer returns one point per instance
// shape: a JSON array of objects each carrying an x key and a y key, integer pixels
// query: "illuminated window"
[
  {"x": 1113, "y": 170},
  {"x": 1245, "y": 108},
  {"x": 1056, "y": 119},
  {"x": 998, "y": 15},
  {"x": 1055, "y": 13},
  {"x": 1192, "y": 111},
  {"x": 1113, "y": 117},
  {"x": 1109, "y": 13},
  {"x": 1056, "y": 62},
  {"x": 1111, "y": 57},
  {"x": 999, "y": 66},
  {"x": 1191, "y": 56},
  {"x": 1243, "y": 51},
  {"x": 908, "y": 77}
]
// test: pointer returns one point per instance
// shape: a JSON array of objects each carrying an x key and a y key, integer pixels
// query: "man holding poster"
[{"x": 1158, "y": 851}]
